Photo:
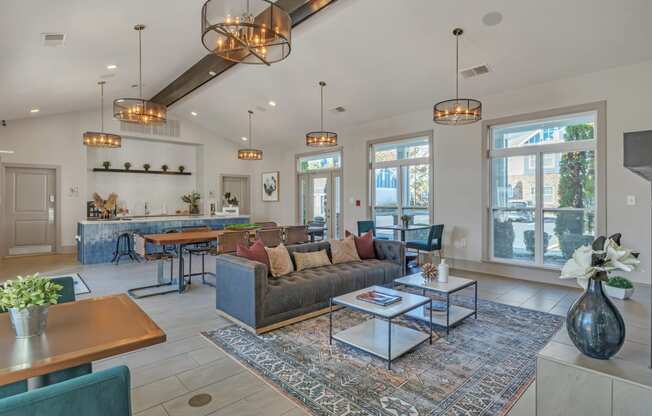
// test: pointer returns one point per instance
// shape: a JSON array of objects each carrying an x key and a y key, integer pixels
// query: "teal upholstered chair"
[
  {"x": 432, "y": 243},
  {"x": 105, "y": 393},
  {"x": 369, "y": 225}
]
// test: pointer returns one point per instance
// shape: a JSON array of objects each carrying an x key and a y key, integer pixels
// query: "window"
[
  {"x": 553, "y": 158},
  {"x": 319, "y": 162},
  {"x": 400, "y": 181}
]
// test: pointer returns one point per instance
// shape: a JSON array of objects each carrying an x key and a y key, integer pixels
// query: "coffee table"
[
  {"x": 378, "y": 336},
  {"x": 454, "y": 313}
]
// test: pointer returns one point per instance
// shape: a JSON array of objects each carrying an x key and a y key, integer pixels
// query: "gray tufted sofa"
[{"x": 245, "y": 293}]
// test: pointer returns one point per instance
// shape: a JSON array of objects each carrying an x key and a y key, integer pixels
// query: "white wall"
[{"x": 458, "y": 158}]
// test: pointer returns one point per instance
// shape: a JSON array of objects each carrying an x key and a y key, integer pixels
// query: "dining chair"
[
  {"x": 140, "y": 247},
  {"x": 431, "y": 244},
  {"x": 365, "y": 225},
  {"x": 105, "y": 393},
  {"x": 267, "y": 224},
  {"x": 271, "y": 237},
  {"x": 296, "y": 234},
  {"x": 228, "y": 242},
  {"x": 321, "y": 232},
  {"x": 198, "y": 249}
]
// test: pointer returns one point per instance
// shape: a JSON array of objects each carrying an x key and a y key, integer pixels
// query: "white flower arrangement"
[{"x": 596, "y": 261}]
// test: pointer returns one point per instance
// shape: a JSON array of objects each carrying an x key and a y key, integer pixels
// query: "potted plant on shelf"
[
  {"x": 27, "y": 299},
  {"x": 192, "y": 199},
  {"x": 106, "y": 164},
  {"x": 164, "y": 168},
  {"x": 181, "y": 168},
  {"x": 619, "y": 287},
  {"x": 594, "y": 324},
  {"x": 127, "y": 165},
  {"x": 146, "y": 166}
]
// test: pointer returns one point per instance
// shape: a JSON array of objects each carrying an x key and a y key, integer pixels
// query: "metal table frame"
[{"x": 389, "y": 328}]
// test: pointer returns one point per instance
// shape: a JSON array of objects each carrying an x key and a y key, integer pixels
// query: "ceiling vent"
[
  {"x": 475, "y": 71},
  {"x": 338, "y": 109},
  {"x": 53, "y": 39}
]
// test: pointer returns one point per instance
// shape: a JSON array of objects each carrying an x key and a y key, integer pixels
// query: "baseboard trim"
[
  {"x": 67, "y": 249},
  {"x": 277, "y": 325}
]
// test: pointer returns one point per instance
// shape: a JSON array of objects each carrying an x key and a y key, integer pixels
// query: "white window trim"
[
  {"x": 598, "y": 145},
  {"x": 371, "y": 165}
]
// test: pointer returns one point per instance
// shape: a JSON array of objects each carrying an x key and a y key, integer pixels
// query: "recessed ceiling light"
[
  {"x": 212, "y": 73},
  {"x": 244, "y": 139},
  {"x": 34, "y": 110},
  {"x": 193, "y": 113},
  {"x": 112, "y": 66},
  {"x": 272, "y": 103},
  {"x": 492, "y": 18}
]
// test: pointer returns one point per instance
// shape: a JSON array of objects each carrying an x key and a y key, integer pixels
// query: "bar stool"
[
  {"x": 124, "y": 247},
  {"x": 160, "y": 258},
  {"x": 198, "y": 249}
]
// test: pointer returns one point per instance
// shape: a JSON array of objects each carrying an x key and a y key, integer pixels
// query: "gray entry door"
[
  {"x": 238, "y": 186},
  {"x": 29, "y": 210}
]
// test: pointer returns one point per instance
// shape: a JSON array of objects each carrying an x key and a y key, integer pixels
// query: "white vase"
[
  {"x": 618, "y": 293},
  {"x": 442, "y": 272}
]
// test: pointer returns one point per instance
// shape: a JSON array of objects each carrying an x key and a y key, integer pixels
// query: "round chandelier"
[
  {"x": 101, "y": 139},
  {"x": 139, "y": 110},
  {"x": 250, "y": 154},
  {"x": 321, "y": 138},
  {"x": 246, "y": 31},
  {"x": 457, "y": 111}
]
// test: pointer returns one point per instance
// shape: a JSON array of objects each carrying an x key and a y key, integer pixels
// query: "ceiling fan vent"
[
  {"x": 53, "y": 39},
  {"x": 338, "y": 109},
  {"x": 474, "y": 71}
]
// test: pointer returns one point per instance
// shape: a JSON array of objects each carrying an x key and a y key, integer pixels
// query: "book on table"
[{"x": 378, "y": 298}]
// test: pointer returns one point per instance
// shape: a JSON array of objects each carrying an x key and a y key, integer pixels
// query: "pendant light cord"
[
  {"x": 251, "y": 137},
  {"x": 457, "y": 67},
  {"x": 140, "y": 63},
  {"x": 322, "y": 107},
  {"x": 102, "y": 106}
]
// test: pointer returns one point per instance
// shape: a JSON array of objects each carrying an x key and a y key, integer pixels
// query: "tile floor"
[{"x": 166, "y": 376}]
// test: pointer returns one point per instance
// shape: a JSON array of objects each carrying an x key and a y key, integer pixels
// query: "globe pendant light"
[
  {"x": 259, "y": 34},
  {"x": 457, "y": 111},
  {"x": 321, "y": 138},
  {"x": 101, "y": 139},
  {"x": 138, "y": 110},
  {"x": 250, "y": 154}
]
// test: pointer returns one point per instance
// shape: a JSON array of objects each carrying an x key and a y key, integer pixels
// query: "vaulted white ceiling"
[{"x": 379, "y": 57}]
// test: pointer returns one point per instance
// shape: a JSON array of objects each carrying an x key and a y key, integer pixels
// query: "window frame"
[
  {"x": 489, "y": 153},
  {"x": 400, "y": 164}
]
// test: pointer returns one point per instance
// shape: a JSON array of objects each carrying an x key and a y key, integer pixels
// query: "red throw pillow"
[
  {"x": 256, "y": 252},
  {"x": 365, "y": 246}
]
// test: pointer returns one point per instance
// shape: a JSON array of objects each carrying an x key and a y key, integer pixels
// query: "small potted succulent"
[
  {"x": 146, "y": 166},
  {"x": 27, "y": 299},
  {"x": 164, "y": 168},
  {"x": 619, "y": 287},
  {"x": 106, "y": 164},
  {"x": 127, "y": 165},
  {"x": 405, "y": 219},
  {"x": 182, "y": 168}
]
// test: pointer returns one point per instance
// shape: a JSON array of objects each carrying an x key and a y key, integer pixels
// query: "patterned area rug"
[{"x": 481, "y": 368}]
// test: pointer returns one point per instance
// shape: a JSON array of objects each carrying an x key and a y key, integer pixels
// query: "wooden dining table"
[{"x": 77, "y": 333}]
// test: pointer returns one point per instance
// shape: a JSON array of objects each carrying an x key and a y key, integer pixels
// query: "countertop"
[{"x": 158, "y": 218}]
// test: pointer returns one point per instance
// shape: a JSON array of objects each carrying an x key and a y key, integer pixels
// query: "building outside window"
[
  {"x": 543, "y": 189},
  {"x": 400, "y": 181}
]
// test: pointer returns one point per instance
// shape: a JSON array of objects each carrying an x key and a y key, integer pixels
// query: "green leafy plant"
[
  {"x": 106, "y": 164},
  {"x": 164, "y": 168},
  {"x": 240, "y": 226},
  {"x": 231, "y": 200},
  {"x": 29, "y": 291},
  {"x": 146, "y": 166},
  {"x": 619, "y": 282},
  {"x": 192, "y": 199},
  {"x": 182, "y": 168},
  {"x": 127, "y": 165}
]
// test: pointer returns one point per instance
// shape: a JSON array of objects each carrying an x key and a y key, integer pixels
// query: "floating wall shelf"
[{"x": 150, "y": 172}]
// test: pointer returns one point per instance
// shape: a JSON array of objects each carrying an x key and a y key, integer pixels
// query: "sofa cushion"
[
  {"x": 365, "y": 246},
  {"x": 280, "y": 262},
  {"x": 311, "y": 260},
  {"x": 344, "y": 251},
  {"x": 256, "y": 252}
]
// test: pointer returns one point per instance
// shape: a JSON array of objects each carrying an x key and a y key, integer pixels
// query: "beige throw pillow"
[
  {"x": 280, "y": 262},
  {"x": 309, "y": 260},
  {"x": 344, "y": 251}
]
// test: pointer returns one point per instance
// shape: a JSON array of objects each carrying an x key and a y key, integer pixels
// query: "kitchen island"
[{"x": 97, "y": 239}]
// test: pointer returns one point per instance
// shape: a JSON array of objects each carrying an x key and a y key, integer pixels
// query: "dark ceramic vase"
[{"x": 594, "y": 323}]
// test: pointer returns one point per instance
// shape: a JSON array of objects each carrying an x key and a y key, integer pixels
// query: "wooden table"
[
  {"x": 179, "y": 240},
  {"x": 77, "y": 333},
  {"x": 402, "y": 229}
]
